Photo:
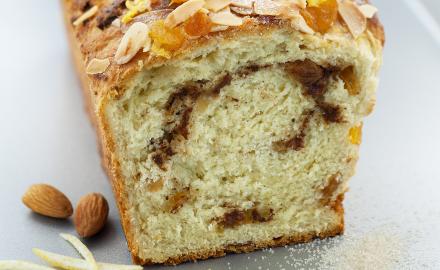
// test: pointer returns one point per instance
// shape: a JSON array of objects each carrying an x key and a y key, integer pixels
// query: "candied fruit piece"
[
  {"x": 198, "y": 25},
  {"x": 314, "y": 3},
  {"x": 355, "y": 134},
  {"x": 156, "y": 49},
  {"x": 166, "y": 40},
  {"x": 155, "y": 186},
  {"x": 177, "y": 200},
  {"x": 350, "y": 81},
  {"x": 320, "y": 14},
  {"x": 238, "y": 217}
]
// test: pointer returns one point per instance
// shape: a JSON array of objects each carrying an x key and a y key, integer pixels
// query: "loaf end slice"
[{"x": 241, "y": 141}]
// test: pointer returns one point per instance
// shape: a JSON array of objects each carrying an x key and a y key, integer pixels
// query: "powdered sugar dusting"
[{"x": 380, "y": 250}]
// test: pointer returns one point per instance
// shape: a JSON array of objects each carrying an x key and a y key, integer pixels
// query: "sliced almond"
[
  {"x": 148, "y": 18},
  {"x": 300, "y": 3},
  {"x": 242, "y": 10},
  {"x": 204, "y": 10},
  {"x": 47, "y": 201},
  {"x": 153, "y": 16},
  {"x": 300, "y": 24},
  {"x": 290, "y": 10},
  {"x": 147, "y": 45},
  {"x": 86, "y": 15},
  {"x": 133, "y": 40},
  {"x": 216, "y": 5},
  {"x": 219, "y": 28},
  {"x": 353, "y": 17},
  {"x": 183, "y": 12},
  {"x": 243, "y": 3},
  {"x": 268, "y": 7},
  {"x": 116, "y": 23},
  {"x": 368, "y": 10},
  {"x": 97, "y": 66},
  {"x": 225, "y": 17}
]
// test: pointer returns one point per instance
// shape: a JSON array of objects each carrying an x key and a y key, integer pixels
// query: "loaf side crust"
[{"x": 104, "y": 139}]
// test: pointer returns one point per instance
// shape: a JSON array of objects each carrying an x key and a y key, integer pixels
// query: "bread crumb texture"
[{"x": 239, "y": 142}]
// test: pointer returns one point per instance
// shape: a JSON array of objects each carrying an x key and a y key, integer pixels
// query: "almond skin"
[
  {"x": 47, "y": 201},
  {"x": 91, "y": 214}
]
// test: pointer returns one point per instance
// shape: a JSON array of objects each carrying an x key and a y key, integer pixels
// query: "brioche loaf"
[{"x": 226, "y": 126}]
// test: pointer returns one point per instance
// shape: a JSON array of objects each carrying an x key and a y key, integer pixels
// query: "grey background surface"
[
  {"x": 45, "y": 136},
  {"x": 434, "y": 7}
]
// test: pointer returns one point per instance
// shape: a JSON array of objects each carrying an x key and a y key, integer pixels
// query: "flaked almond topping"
[
  {"x": 183, "y": 12},
  {"x": 216, "y": 5},
  {"x": 300, "y": 24},
  {"x": 243, "y": 3},
  {"x": 368, "y": 10},
  {"x": 300, "y": 3},
  {"x": 219, "y": 28},
  {"x": 225, "y": 17},
  {"x": 353, "y": 17},
  {"x": 149, "y": 17},
  {"x": 116, "y": 23},
  {"x": 242, "y": 10},
  {"x": 290, "y": 11},
  {"x": 133, "y": 40},
  {"x": 86, "y": 15},
  {"x": 268, "y": 7},
  {"x": 147, "y": 45},
  {"x": 97, "y": 66}
]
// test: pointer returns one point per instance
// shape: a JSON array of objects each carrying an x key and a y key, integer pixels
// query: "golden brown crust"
[
  {"x": 97, "y": 43},
  {"x": 105, "y": 142},
  {"x": 374, "y": 25},
  {"x": 376, "y": 28},
  {"x": 247, "y": 247},
  {"x": 252, "y": 246}
]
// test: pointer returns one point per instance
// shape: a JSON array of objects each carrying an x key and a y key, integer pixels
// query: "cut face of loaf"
[{"x": 240, "y": 143}]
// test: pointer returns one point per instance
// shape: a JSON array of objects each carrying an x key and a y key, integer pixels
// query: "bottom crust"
[
  {"x": 337, "y": 206},
  {"x": 245, "y": 248}
]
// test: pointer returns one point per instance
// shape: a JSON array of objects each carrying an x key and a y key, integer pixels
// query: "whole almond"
[
  {"x": 91, "y": 214},
  {"x": 47, "y": 201}
]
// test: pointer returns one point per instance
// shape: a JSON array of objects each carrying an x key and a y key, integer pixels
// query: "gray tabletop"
[{"x": 392, "y": 208}]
